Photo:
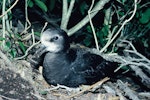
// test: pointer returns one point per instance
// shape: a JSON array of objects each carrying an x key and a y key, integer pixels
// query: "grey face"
[{"x": 53, "y": 40}]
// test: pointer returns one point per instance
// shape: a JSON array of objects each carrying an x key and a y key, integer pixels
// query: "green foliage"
[
  {"x": 1, "y": 39},
  {"x": 23, "y": 48},
  {"x": 101, "y": 33},
  {"x": 41, "y": 4},
  {"x": 30, "y": 3},
  {"x": 84, "y": 7},
  {"x": 13, "y": 53},
  {"x": 43, "y": 92},
  {"x": 7, "y": 46},
  {"x": 37, "y": 34},
  {"x": 145, "y": 16}
]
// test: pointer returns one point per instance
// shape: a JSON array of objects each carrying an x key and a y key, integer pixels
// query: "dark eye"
[{"x": 54, "y": 38}]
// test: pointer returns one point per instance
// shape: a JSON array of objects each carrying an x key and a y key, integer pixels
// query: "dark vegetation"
[{"x": 121, "y": 29}]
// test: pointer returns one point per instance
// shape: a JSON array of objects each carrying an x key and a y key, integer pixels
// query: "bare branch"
[
  {"x": 3, "y": 21},
  {"x": 26, "y": 16},
  {"x": 69, "y": 13},
  {"x": 9, "y": 9},
  {"x": 67, "y": 16},
  {"x": 64, "y": 13},
  {"x": 94, "y": 34},
  {"x": 100, "y": 4},
  {"x": 7, "y": 98}
]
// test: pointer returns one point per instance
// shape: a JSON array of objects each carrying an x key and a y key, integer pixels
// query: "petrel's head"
[{"x": 55, "y": 40}]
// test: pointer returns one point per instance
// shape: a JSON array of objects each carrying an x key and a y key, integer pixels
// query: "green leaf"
[
  {"x": 83, "y": 7},
  {"x": 7, "y": 47},
  {"x": 22, "y": 46},
  {"x": 18, "y": 36},
  {"x": 125, "y": 68},
  {"x": 89, "y": 29},
  {"x": 87, "y": 41},
  {"x": 121, "y": 13},
  {"x": 30, "y": 3},
  {"x": 99, "y": 34},
  {"x": 41, "y": 5},
  {"x": 105, "y": 30},
  {"x": 8, "y": 44},
  {"x": 43, "y": 92},
  {"x": 13, "y": 53},
  {"x": 145, "y": 17},
  {"x": 37, "y": 34},
  {"x": 1, "y": 39}
]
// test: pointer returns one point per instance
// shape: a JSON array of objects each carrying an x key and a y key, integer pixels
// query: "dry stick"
[
  {"x": 90, "y": 87},
  {"x": 124, "y": 23},
  {"x": 133, "y": 61},
  {"x": 94, "y": 34},
  {"x": 9, "y": 9},
  {"x": 33, "y": 32},
  {"x": 134, "y": 51},
  {"x": 26, "y": 16},
  {"x": 145, "y": 94},
  {"x": 33, "y": 38},
  {"x": 144, "y": 5},
  {"x": 26, "y": 53},
  {"x": 109, "y": 89},
  {"x": 45, "y": 25},
  {"x": 7, "y": 97},
  {"x": 140, "y": 55},
  {"x": 130, "y": 44},
  {"x": 129, "y": 61},
  {"x": 96, "y": 85},
  {"x": 117, "y": 91},
  {"x": 38, "y": 96}
]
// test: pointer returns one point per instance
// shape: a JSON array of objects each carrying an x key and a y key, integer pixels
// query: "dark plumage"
[{"x": 69, "y": 66}]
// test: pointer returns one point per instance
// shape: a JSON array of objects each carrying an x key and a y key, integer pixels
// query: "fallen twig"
[
  {"x": 92, "y": 86},
  {"x": 7, "y": 98},
  {"x": 145, "y": 94}
]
